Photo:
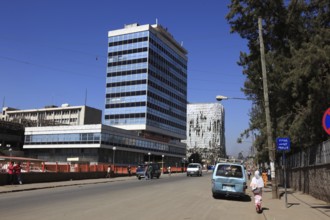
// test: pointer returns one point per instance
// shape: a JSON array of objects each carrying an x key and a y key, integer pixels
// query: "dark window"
[
  {"x": 229, "y": 170},
  {"x": 128, "y": 41}
]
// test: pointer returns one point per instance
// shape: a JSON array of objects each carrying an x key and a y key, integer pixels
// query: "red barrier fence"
[
  {"x": 31, "y": 165},
  {"x": 81, "y": 167}
]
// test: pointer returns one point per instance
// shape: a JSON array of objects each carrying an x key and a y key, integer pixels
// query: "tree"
[
  {"x": 195, "y": 158},
  {"x": 297, "y": 46}
]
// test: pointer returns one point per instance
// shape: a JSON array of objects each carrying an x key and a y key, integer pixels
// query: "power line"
[{"x": 44, "y": 66}]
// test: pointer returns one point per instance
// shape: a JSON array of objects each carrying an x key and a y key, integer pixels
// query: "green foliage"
[
  {"x": 195, "y": 157},
  {"x": 297, "y": 45}
]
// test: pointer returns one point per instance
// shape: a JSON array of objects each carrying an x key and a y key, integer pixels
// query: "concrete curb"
[{"x": 37, "y": 186}]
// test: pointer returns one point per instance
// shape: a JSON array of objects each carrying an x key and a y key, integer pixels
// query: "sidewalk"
[
  {"x": 35, "y": 186},
  {"x": 300, "y": 206}
]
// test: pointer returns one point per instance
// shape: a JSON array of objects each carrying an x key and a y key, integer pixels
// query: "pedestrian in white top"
[
  {"x": 256, "y": 185},
  {"x": 257, "y": 181},
  {"x": 108, "y": 172}
]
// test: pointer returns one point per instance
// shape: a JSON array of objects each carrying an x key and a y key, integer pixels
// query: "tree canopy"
[{"x": 297, "y": 45}]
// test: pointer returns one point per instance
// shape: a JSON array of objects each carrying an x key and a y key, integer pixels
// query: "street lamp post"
[
  {"x": 113, "y": 160},
  {"x": 10, "y": 150},
  {"x": 271, "y": 150},
  {"x": 163, "y": 164},
  {"x": 149, "y": 156},
  {"x": 221, "y": 97}
]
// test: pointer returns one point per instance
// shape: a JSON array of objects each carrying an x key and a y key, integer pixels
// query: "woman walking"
[{"x": 256, "y": 185}]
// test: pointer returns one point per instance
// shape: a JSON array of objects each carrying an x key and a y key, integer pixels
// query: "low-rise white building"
[
  {"x": 53, "y": 115},
  {"x": 97, "y": 143},
  {"x": 60, "y": 134}
]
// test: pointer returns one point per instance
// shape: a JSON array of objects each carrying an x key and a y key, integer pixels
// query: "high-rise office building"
[
  {"x": 146, "y": 87},
  {"x": 206, "y": 131}
]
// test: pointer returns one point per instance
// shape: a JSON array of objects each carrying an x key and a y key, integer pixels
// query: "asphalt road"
[{"x": 177, "y": 197}]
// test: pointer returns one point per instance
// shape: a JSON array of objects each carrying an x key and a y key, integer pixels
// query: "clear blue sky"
[{"x": 52, "y": 52}]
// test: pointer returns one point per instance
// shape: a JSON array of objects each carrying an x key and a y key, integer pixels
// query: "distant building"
[
  {"x": 206, "y": 131},
  {"x": 53, "y": 115},
  {"x": 11, "y": 138},
  {"x": 146, "y": 82}
]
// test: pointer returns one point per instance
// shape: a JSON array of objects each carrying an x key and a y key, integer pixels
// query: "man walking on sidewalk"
[
  {"x": 108, "y": 172},
  {"x": 17, "y": 171},
  {"x": 10, "y": 171}
]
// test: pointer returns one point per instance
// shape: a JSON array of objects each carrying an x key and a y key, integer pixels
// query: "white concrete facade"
[
  {"x": 53, "y": 115},
  {"x": 95, "y": 143},
  {"x": 206, "y": 131}
]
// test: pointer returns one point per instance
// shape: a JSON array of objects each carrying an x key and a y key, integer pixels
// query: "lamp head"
[{"x": 221, "y": 97}]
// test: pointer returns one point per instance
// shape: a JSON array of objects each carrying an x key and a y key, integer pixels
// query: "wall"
[
  {"x": 92, "y": 116},
  {"x": 312, "y": 180},
  {"x": 53, "y": 177}
]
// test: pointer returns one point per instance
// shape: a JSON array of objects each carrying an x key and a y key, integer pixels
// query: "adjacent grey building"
[
  {"x": 96, "y": 143},
  {"x": 206, "y": 131}
]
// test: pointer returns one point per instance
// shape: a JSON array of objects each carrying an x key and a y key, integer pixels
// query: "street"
[{"x": 175, "y": 197}]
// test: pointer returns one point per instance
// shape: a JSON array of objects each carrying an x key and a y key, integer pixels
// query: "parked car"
[
  {"x": 140, "y": 171},
  {"x": 229, "y": 179},
  {"x": 211, "y": 167},
  {"x": 194, "y": 169}
]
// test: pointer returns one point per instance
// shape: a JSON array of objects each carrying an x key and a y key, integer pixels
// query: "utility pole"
[{"x": 270, "y": 146}]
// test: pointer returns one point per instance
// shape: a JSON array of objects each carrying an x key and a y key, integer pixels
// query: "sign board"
[
  {"x": 283, "y": 144},
  {"x": 326, "y": 121}
]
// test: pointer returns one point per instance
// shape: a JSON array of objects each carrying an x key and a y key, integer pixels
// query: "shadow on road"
[
  {"x": 321, "y": 207},
  {"x": 292, "y": 204},
  {"x": 245, "y": 198}
]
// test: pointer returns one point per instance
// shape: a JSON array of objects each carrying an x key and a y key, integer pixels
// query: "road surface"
[{"x": 176, "y": 197}]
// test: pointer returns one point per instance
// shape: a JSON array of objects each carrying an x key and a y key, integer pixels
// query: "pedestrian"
[
  {"x": 269, "y": 175},
  {"x": 150, "y": 172},
  {"x": 129, "y": 170},
  {"x": 249, "y": 174},
  {"x": 264, "y": 176},
  {"x": 18, "y": 171},
  {"x": 257, "y": 181},
  {"x": 108, "y": 172},
  {"x": 146, "y": 177},
  {"x": 256, "y": 185},
  {"x": 169, "y": 170},
  {"x": 10, "y": 170},
  {"x": 4, "y": 168}
]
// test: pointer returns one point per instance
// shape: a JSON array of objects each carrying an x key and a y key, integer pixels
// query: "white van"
[{"x": 194, "y": 169}]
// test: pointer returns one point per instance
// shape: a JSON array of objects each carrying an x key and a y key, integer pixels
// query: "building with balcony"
[{"x": 53, "y": 116}]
